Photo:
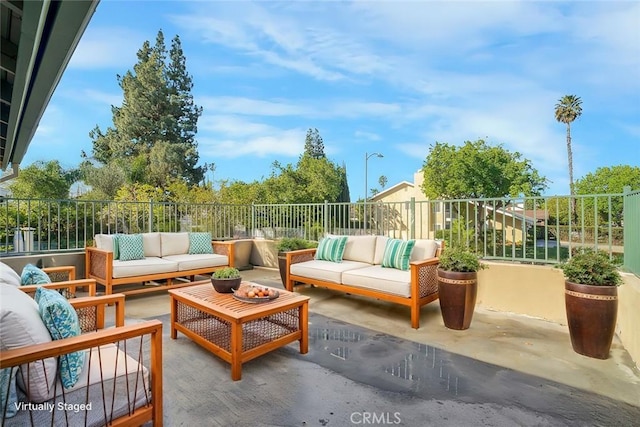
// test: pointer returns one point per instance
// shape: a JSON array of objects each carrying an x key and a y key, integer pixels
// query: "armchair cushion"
[
  {"x": 9, "y": 276},
  {"x": 22, "y": 327},
  {"x": 174, "y": 243},
  {"x": 61, "y": 320},
  {"x": 32, "y": 275},
  {"x": 131, "y": 247}
]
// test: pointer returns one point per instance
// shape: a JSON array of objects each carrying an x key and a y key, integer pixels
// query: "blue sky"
[{"x": 378, "y": 76}]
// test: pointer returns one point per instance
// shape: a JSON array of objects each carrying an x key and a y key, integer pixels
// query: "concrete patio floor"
[{"x": 523, "y": 344}]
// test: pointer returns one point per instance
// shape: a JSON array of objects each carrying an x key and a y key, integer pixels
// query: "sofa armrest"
[
  {"x": 61, "y": 273},
  {"x": 300, "y": 255},
  {"x": 424, "y": 276},
  {"x": 225, "y": 248},
  {"x": 78, "y": 283},
  {"x": 91, "y": 311},
  {"x": 98, "y": 263}
]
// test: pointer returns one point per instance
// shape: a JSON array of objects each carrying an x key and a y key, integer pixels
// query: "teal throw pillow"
[
  {"x": 397, "y": 253},
  {"x": 61, "y": 320},
  {"x": 131, "y": 247},
  {"x": 116, "y": 246},
  {"x": 200, "y": 243},
  {"x": 331, "y": 248},
  {"x": 8, "y": 392},
  {"x": 32, "y": 275}
]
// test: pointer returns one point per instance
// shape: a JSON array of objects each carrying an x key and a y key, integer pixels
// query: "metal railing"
[
  {"x": 527, "y": 229},
  {"x": 632, "y": 230}
]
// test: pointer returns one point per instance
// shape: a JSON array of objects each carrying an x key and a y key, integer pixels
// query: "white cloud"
[{"x": 107, "y": 47}]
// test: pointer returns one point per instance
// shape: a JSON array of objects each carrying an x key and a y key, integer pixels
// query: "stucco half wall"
[{"x": 538, "y": 291}]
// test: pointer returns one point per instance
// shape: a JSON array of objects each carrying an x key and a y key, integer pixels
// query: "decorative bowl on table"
[
  {"x": 226, "y": 280},
  {"x": 226, "y": 286}
]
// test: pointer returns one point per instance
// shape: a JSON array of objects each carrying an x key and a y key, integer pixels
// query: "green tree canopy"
[
  {"x": 478, "y": 170},
  {"x": 153, "y": 133},
  {"x": 609, "y": 180},
  {"x": 43, "y": 180}
]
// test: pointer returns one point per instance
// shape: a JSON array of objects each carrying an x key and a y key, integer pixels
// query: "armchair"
[{"x": 120, "y": 383}]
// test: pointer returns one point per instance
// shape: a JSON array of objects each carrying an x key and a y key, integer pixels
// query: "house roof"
[
  {"x": 390, "y": 190},
  {"x": 38, "y": 39}
]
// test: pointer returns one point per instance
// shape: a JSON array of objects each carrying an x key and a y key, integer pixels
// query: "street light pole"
[{"x": 366, "y": 185}]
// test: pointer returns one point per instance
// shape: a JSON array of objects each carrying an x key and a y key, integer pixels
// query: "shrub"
[
  {"x": 461, "y": 260},
  {"x": 226, "y": 273},
  {"x": 287, "y": 244},
  {"x": 589, "y": 267}
]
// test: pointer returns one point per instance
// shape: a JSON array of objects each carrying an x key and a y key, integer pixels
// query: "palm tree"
[{"x": 569, "y": 108}]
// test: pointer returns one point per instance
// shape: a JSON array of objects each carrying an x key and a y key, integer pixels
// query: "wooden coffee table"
[{"x": 238, "y": 331}]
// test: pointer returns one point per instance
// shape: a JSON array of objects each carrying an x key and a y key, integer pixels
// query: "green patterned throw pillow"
[
  {"x": 397, "y": 253},
  {"x": 331, "y": 248},
  {"x": 131, "y": 247},
  {"x": 61, "y": 320},
  {"x": 200, "y": 243}
]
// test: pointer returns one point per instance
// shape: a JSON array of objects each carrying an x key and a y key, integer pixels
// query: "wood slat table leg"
[
  {"x": 303, "y": 316},
  {"x": 236, "y": 351}
]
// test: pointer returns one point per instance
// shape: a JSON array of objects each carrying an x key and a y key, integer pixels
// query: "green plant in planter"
[
  {"x": 460, "y": 259},
  {"x": 589, "y": 267},
  {"x": 287, "y": 244},
  {"x": 226, "y": 273}
]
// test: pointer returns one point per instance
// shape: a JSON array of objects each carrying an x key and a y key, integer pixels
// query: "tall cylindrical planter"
[
  {"x": 591, "y": 315},
  {"x": 282, "y": 266},
  {"x": 457, "y": 296}
]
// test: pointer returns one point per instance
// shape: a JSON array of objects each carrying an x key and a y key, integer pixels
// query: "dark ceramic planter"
[
  {"x": 282, "y": 265},
  {"x": 591, "y": 315},
  {"x": 457, "y": 295},
  {"x": 226, "y": 286}
]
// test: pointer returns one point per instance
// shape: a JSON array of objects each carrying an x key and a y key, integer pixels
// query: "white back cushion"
[
  {"x": 360, "y": 248},
  {"x": 381, "y": 243},
  {"x": 151, "y": 243},
  {"x": 104, "y": 241},
  {"x": 424, "y": 249},
  {"x": 174, "y": 243},
  {"x": 8, "y": 275},
  {"x": 21, "y": 327}
]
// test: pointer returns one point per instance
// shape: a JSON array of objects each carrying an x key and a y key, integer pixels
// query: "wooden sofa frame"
[
  {"x": 424, "y": 282},
  {"x": 91, "y": 312},
  {"x": 99, "y": 266}
]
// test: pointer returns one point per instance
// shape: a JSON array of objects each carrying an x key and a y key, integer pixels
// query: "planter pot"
[
  {"x": 226, "y": 286},
  {"x": 457, "y": 296},
  {"x": 591, "y": 315},
  {"x": 282, "y": 265}
]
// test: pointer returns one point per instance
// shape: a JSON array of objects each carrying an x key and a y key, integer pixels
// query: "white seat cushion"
[
  {"x": 193, "y": 261},
  {"x": 327, "y": 271},
  {"x": 389, "y": 280},
  {"x": 140, "y": 267},
  {"x": 108, "y": 363}
]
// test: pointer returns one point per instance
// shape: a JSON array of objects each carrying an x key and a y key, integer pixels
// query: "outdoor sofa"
[
  {"x": 360, "y": 271},
  {"x": 120, "y": 259},
  {"x": 119, "y": 381}
]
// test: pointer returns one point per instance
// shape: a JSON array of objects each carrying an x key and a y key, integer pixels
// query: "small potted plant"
[
  {"x": 288, "y": 244},
  {"x": 226, "y": 280},
  {"x": 591, "y": 301},
  {"x": 458, "y": 286}
]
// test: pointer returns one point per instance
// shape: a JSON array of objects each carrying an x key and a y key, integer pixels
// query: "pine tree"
[
  {"x": 313, "y": 145},
  {"x": 153, "y": 133}
]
